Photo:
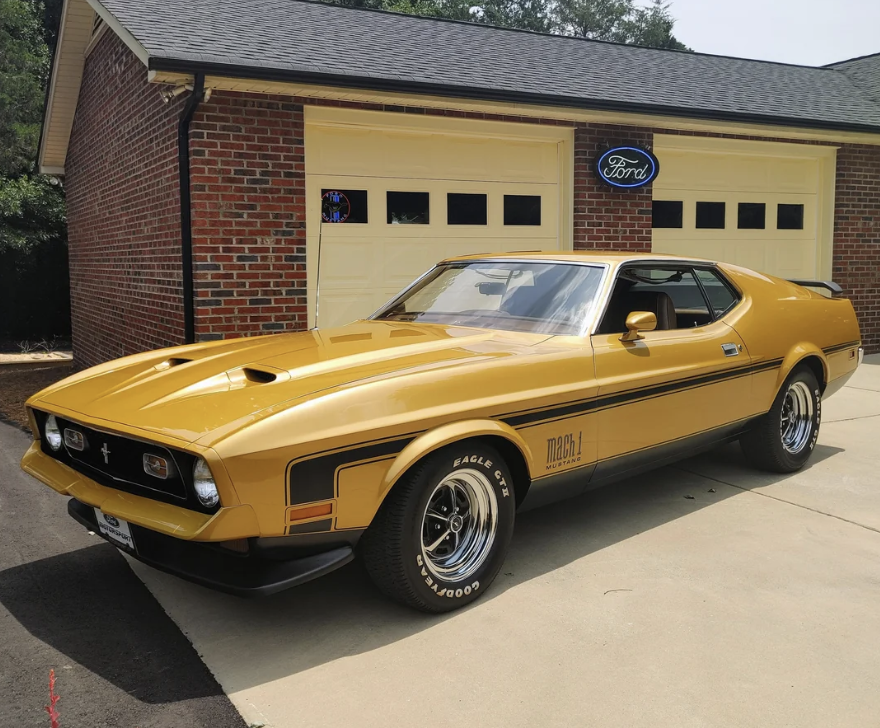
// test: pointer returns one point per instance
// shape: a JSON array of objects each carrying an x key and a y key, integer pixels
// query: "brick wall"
[
  {"x": 856, "y": 263},
  {"x": 605, "y": 217},
  {"x": 123, "y": 211},
  {"x": 248, "y": 198}
]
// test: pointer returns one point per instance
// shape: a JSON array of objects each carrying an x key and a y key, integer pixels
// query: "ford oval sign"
[{"x": 627, "y": 167}]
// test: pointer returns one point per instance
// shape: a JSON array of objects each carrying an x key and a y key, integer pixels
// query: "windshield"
[{"x": 547, "y": 298}]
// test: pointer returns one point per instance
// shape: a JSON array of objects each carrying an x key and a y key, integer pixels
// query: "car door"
[{"x": 678, "y": 387}]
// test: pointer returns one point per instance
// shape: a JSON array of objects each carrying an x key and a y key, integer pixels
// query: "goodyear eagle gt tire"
[
  {"x": 442, "y": 533},
  {"x": 783, "y": 439}
]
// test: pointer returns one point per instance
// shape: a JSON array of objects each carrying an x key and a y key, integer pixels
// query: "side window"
[
  {"x": 721, "y": 296},
  {"x": 672, "y": 294}
]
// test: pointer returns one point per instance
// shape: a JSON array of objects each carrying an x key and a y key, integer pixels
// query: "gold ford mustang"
[{"x": 492, "y": 384}]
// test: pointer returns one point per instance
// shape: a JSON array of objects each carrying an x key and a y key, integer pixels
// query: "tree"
[
  {"x": 34, "y": 301},
  {"x": 521, "y": 14},
  {"x": 23, "y": 70},
  {"x": 598, "y": 19},
  {"x": 652, "y": 27},
  {"x": 620, "y": 21}
]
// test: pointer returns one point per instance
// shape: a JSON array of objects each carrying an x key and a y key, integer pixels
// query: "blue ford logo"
[
  {"x": 112, "y": 521},
  {"x": 627, "y": 167}
]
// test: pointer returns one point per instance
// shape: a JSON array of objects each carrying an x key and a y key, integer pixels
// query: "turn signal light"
[
  {"x": 156, "y": 466},
  {"x": 74, "y": 439},
  {"x": 300, "y": 514}
]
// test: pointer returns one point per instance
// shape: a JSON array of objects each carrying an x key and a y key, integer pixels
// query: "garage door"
[
  {"x": 389, "y": 195},
  {"x": 767, "y": 206}
]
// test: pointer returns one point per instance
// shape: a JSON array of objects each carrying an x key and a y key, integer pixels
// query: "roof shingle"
[{"x": 308, "y": 41}]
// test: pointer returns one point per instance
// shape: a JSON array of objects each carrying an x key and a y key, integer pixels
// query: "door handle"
[{"x": 731, "y": 349}]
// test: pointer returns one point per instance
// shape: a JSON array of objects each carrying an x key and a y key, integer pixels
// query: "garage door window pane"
[
  {"x": 408, "y": 208},
  {"x": 710, "y": 215},
  {"x": 751, "y": 216},
  {"x": 666, "y": 214},
  {"x": 790, "y": 217},
  {"x": 522, "y": 209},
  {"x": 465, "y": 209},
  {"x": 344, "y": 206}
]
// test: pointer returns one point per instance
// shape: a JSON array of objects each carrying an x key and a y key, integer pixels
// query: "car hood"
[{"x": 187, "y": 392}]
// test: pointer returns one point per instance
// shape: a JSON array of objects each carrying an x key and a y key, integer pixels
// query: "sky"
[{"x": 808, "y": 32}]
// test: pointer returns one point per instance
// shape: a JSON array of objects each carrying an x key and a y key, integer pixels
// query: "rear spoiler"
[{"x": 827, "y": 285}]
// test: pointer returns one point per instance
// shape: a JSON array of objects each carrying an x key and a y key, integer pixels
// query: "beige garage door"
[
  {"x": 389, "y": 195},
  {"x": 767, "y": 206}
]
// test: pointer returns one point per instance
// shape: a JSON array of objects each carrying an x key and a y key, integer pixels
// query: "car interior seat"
[{"x": 624, "y": 303}]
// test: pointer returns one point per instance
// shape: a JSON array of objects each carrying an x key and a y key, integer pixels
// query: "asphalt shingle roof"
[
  {"x": 863, "y": 72},
  {"x": 307, "y": 41}
]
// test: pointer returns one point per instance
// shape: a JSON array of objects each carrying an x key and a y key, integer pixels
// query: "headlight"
[
  {"x": 52, "y": 433},
  {"x": 203, "y": 482}
]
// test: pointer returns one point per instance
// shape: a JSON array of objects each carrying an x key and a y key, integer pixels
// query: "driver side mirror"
[{"x": 639, "y": 321}]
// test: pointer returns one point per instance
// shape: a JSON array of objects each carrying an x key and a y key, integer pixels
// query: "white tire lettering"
[
  {"x": 459, "y": 593},
  {"x": 467, "y": 590},
  {"x": 419, "y": 560}
]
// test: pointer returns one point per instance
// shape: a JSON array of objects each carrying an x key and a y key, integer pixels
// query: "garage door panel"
[
  {"x": 365, "y": 264},
  {"x": 349, "y": 151},
  {"x": 746, "y": 172}
]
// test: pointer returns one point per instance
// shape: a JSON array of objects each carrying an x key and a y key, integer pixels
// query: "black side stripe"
[
  {"x": 314, "y": 479},
  {"x": 841, "y": 347},
  {"x": 618, "y": 399}
]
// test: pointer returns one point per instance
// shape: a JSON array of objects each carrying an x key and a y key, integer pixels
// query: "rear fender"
[
  {"x": 795, "y": 356},
  {"x": 446, "y": 435}
]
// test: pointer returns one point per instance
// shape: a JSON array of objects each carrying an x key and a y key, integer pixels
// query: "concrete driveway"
[{"x": 703, "y": 594}]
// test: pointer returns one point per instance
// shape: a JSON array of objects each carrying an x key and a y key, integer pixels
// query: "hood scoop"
[
  {"x": 259, "y": 376},
  {"x": 174, "y": 361}
]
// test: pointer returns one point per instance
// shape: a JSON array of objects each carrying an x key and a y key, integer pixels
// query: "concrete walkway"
[{"x": 753, "y": 604}]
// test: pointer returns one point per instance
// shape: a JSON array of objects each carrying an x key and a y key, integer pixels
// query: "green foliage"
[
  {"x": 34, "y": 296},
  {"x": 31, "y": 212},
  {"x": 24, "y": 66}
]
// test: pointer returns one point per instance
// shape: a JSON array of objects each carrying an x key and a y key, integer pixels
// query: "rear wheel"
[
  {"x": 783, "y": 439},
  {"x": 441, "y": 535}
]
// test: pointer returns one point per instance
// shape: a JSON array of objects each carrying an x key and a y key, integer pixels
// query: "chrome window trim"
[{"x": 588, "y": 316}]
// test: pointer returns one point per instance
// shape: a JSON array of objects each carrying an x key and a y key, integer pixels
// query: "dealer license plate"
[{"x": 115, "y": 529}]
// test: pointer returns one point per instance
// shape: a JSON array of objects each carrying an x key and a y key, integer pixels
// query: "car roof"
[{"x": 582, "y": 256}]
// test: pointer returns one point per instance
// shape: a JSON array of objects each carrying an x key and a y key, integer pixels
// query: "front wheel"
[
  {"x": 783, "y": 439},
  {"x": 441, "y": 535}
]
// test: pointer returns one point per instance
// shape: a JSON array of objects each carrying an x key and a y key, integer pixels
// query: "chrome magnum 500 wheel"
[
  {"x": 783, "y": 439},
  {"x": 441, "y": 535}
]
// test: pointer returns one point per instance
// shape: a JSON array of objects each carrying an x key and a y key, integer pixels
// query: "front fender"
[{"x": 447, "y": 434}]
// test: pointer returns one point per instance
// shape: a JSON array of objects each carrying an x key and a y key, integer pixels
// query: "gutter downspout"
[{"x": 189, "y": 110}]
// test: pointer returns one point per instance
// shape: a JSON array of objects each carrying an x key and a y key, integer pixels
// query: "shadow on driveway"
[
  {"x": 251, "y": 643},
  {"x": 70, "y": 602}
]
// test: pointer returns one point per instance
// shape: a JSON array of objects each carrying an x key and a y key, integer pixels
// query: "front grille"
[{"x": 116, "y": 461}]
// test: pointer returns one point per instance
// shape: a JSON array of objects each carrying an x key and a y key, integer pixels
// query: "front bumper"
[{"x": 207, "y": 565}]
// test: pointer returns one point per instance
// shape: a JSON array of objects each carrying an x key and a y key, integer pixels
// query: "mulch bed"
[{"x": 17, "y": 386}]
